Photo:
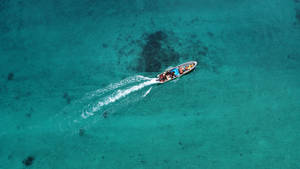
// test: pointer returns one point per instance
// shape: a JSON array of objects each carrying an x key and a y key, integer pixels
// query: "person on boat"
[
  {"x": 176, "y": 71},
  {"x": 164, "y": 76},
  {"x": 172, "y": 75},
  {"x": 180, "y": 70},
  {"x": 168, "y": 77},
  {"x": 161, "y": 77}
]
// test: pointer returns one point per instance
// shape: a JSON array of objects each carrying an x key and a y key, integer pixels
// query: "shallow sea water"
[{"x": 77, "y": 88}]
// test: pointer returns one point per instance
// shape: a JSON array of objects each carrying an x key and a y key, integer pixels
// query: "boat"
[{"x": 176, "y": 72}]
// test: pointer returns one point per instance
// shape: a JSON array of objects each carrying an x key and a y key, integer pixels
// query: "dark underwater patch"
[
  {"x": 105, "y": 114},
  {"x": 81, "y": 132},
  {"x": 20, "y": 95},
  {"x": 104, "y": 45},
  {"x": 10, "y": 76},
  {"x": 3, "y": 4},
  {"x": 28, "y": 161},
  {"x": 9, "y": 157},
  {"x": 156, "y": 53},
  {"x": 210, "y": 34},
  {"x": 28, "y": 115},
  {"x": 298, "y": 14},
  {"x": 67, "y": 98},
  {"x": 157, "y": 36}
]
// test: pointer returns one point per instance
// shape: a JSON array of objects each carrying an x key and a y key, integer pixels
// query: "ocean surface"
[{"x": 78, "y": 89}]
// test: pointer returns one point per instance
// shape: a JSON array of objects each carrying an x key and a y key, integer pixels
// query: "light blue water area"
[{"x": 78, "y": 88}]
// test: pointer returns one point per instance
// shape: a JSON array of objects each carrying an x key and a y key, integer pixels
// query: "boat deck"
[{"x": 182, "y": 68}]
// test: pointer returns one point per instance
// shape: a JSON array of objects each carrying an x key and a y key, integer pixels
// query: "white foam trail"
[
  {"x": 147, "y": 92},
  {"x": 118, "y": 95},
  {"x": 113, "y": 86}
]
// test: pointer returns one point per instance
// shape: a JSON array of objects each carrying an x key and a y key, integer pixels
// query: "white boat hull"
[{"x": 184, "y": 73}]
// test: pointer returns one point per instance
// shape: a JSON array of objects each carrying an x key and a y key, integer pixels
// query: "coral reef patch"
[
  {"x": 158, "y": 50},
  {"x": 156, "y": 53},
  {"x": 28, "y": 161}
]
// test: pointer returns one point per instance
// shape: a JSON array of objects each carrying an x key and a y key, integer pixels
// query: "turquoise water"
[{"x": 77, "y": 88}]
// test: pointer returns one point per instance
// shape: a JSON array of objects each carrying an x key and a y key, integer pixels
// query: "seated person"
[
  {"x": 181, "y": 70},
  {"x": 176, "y": 71},
  {"x": 168, "y": 77},
  {"x": 172, "y": 75},
  {"x": 161, "y": 77}
]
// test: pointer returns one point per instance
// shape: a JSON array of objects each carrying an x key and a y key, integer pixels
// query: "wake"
[
  {"x": 110, "y": 87},
  {"x": 115, "y": 92},
  {"x": 75, "y": 116}
]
